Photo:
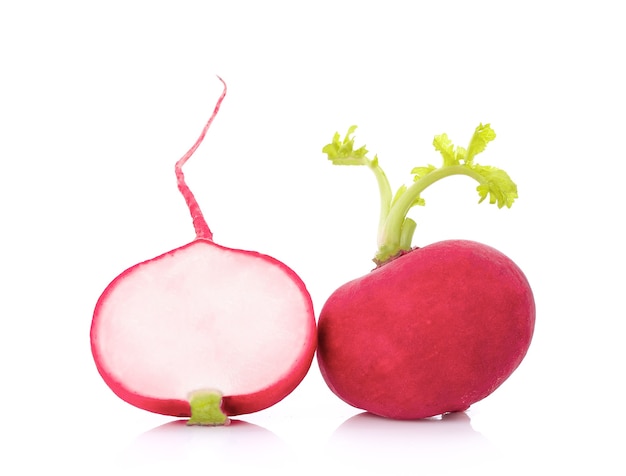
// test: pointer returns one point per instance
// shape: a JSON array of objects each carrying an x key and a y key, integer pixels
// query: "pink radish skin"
[
  {"x": 431, "y": 332},
  {"x": 204, "y": 323}
]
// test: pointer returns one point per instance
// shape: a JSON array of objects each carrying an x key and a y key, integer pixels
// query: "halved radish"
[{"x": 204, "y": 331}]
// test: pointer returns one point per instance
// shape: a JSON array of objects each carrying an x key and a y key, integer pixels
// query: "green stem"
[
  {"x": 386, "y": 194},
  {"x": 406, "y": 235},
  {"x": 394, "y": 236},
  {"x": 206, "y": 408}
]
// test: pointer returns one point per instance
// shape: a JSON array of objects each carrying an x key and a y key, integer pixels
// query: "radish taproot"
[
  {"x": 430, "y": 330},
  {"x": 204, "y": 331}
]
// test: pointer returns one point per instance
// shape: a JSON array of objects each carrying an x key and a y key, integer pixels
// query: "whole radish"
[
  {"x": 430, "y": 330},
  {"x": 204, "y": 331}
]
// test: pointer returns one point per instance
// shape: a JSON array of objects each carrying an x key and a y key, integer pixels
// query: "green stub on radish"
[
  {"x": 204, "y": 316},
  {"x": 206, "y": 408}
]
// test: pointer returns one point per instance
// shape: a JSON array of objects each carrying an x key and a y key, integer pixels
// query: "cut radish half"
[{"x": 204, "y": 331}]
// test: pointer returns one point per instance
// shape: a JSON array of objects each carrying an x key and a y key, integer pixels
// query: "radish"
[
  {"x": 430, "y": 330},
  {"x": 204, "y": 331}
]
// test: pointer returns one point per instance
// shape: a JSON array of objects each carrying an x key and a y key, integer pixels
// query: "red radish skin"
[
  {"x": 430, "y": 330},
  {"x": 204, "y": 331}
]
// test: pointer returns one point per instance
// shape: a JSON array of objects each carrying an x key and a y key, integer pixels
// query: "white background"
[{"x": 99, "y": 99}]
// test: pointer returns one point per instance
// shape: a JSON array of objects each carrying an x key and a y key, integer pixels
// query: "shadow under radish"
[
  {"x": 175, "y": 444},
  {"x": 441, "y": 445}
]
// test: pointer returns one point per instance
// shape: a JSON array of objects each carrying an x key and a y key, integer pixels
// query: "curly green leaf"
[
  {"x": 497, "y": 185},
  {"x": 420, "y": 172},
  {"x": 445, "y": 147},
  {"x": 341, "y": 151},
  {"x": 482, "y": 136}
]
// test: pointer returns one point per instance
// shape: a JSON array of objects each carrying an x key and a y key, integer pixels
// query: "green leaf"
[
  {"x": 341, "y": 151},
  {"x": 420, "y": 172},
  {"x": 398, "y": 194},
  {"x": 452, "y": 155},
  {"x": 417, "y": 201},
  {"x": 497, "y": 185},
  {"x": 460, "y": 155},
  {"x": 444, "y": 145},
  {"x": 482, "y": 136}
]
